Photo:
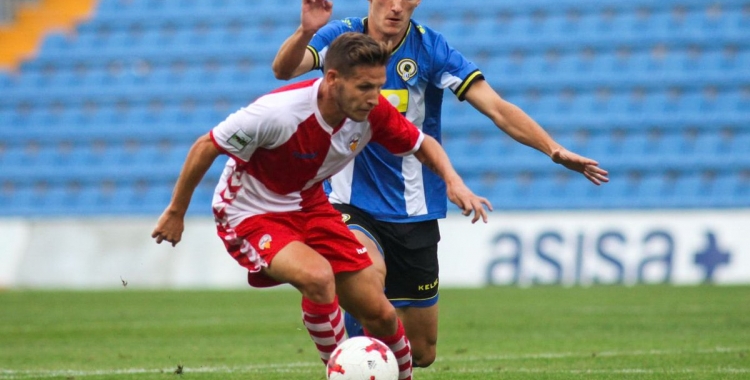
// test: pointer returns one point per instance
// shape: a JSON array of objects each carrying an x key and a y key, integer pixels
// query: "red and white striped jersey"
[{"x": 281, "y": 150}]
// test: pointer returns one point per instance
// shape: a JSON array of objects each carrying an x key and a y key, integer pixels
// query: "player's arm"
[
  {"x": 293, "y": 58},
  {"x": 517, "y": 124},
  {"x": 431, "y": 154},
  {"x": 171, "y": 223}
]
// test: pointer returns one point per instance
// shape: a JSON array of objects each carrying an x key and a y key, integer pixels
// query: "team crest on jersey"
[
  {"x": 406, "y": 69},
  {"x": 265, "y": 242},
  {"x": 354, "y": 142}
]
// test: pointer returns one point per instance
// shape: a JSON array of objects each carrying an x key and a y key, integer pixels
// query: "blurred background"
[{"x": 101, "y": 100}]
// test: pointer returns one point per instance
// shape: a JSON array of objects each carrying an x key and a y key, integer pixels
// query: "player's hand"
[
  {"x": 169, "y": 228},
  {"x": 586, "y": 166},
  {"x": 468, "y": 202},
  {"x": 315, "y": 14}
]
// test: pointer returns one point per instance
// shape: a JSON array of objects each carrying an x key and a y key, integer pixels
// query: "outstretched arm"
[
  {"x": 521, "y": 127},
  {"x": 171, "y": 223},
  {"x": 293, "y": 59},
  {"x": 432, "y": 154}
]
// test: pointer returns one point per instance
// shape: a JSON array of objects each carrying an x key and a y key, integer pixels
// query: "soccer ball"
[{"x": 362, "y": 358}]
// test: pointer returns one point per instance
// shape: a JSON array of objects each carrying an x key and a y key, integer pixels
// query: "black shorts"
[{"x": 410, "y": 253}]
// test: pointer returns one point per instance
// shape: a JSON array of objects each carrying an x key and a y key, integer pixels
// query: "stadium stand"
[{"x": 100, "y": 119}]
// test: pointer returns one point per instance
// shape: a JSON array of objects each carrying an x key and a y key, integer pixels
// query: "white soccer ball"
[{"x": 362, "y": 358}]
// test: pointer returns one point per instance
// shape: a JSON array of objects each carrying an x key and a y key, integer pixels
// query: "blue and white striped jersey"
[{"x": 388, "y": 187}]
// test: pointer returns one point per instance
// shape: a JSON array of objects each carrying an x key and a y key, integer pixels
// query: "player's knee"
[
  {"x": 379, "y": 318},
  {"x": 318, "y": 284},
  {"x": 423, "y": 358},
  {"x": 423, "y": 350},
  {"x": 381, "y": 312}
]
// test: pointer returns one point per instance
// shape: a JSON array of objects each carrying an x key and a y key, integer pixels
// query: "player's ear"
[{"x": 331, "y": 76}]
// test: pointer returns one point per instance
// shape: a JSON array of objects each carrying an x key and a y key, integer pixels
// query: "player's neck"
[
  {"x": 392, "y": 40},
  {"x": 329, "y": 110}
]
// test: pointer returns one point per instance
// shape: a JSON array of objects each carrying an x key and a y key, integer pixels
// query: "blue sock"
[{"x": 353, "y": 327}]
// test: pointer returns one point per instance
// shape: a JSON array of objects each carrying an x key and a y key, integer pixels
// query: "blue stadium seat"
[
  {"x": 733, "y": 189},
  {"x": 654, "y": 188},
  {"x": 56, "y": 42},
  {"x": 657, "y": 95},
  {"x": 104, "y": 7},
  {"x": 5, "y": 80},
  {"x": 740, "y": 144},
  {"x": 12, "y": 155},
  {"x": 691, "y": 189},
  {"x": 514, "y": 192}
]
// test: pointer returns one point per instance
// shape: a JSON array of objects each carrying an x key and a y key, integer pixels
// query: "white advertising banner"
[
  {"x": 95, "y": 253},
  {"x": 523, "y": 249},
  {"x": 14, "y": 238},
  {"x": 607, "y": 247}
]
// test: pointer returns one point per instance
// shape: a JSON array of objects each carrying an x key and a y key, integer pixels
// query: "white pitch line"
[
  {"x": 564, "y": 355},
  {"x": 265, "y": 368},
  {"x": 601, "y": 371},
  {"x": 304, "y": 367}
]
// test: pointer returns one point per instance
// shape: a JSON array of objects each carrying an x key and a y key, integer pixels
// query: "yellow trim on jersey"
[
  {"x": 402, "y": 95},
  {"x": 467, "y": 82},
  {"x": 403, "y": 40},
  {"x": 316, "y": 57}
]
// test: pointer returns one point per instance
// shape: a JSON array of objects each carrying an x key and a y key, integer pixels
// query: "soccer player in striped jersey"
[
  {"x": 393, "y": 203},
  {"x": 270, "y": 207}
]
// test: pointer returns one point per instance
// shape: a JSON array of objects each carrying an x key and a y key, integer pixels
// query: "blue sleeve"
[
  {"x": 450, "y": 69},
  {"x": 325, "y": 35}
]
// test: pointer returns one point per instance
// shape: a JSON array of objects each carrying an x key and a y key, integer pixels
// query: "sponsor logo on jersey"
[
  {"x": 362, "y": 250},
  {"x": 239, "y": 140},
  {"x": 354, "y": 142},
  {"x": 426, "y": 287},
  {"x": 397, "y": 98},
  {"x": 406, "y": 69},
  {"x": 345, "y": 217},
  {"x": 265, "y": 242},
  {"x": 305, "y": 156}
]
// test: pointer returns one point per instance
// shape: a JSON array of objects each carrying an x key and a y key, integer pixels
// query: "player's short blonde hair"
[{"x": 352, "y": 49}]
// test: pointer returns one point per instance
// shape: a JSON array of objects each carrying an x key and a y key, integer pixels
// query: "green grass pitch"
[{"x": 642, "y": 332}]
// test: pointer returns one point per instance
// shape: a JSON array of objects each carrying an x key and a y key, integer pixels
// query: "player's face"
[
  {"x": 358, "y": 94},
  {"x": 391, "y": 17}
]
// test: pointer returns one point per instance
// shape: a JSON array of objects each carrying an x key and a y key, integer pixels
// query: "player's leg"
[
  {"x": 412, "y": 283},
  {"x": 421, "y": 324},
  {"x": 359, "y": 285},
  {"x": 373, "y": 249},
  {"x": 353, "y": 326},
  {"x": 272, "y": 243},
  {"x": 306, "y": 270},
  {"x": 361, "y": 296},
  {"x": 361, "y": 224},
  {"x": 309, "y": 272}
]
